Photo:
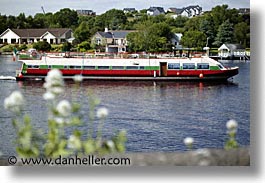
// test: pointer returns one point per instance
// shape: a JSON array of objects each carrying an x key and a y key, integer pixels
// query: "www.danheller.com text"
[{"x": 89, "y": 160}]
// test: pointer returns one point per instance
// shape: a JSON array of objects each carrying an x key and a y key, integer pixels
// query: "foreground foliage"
[{"x": 62, "y": 115}]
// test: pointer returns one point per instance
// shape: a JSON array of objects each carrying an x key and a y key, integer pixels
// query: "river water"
[{"x": 157, "y": 116}]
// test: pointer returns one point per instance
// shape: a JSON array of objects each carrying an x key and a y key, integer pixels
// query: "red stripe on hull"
[{"x": 146, "y": 73}]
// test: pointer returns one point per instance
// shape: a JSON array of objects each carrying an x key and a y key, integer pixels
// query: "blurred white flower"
[
  {"x": 48, "y": 96},
  {"x": 54, "y": 82},
  {"x": 102, "y": 112},
  {"x": 188, "y": 141},
  {"x": 14, "y": 102},
  {"x": 74, "y": 142},
  {"x": 59, "y": 120},
  {"x": 78, "y": 78},
  {"x": 231, "y": 124},
  {"x": 64, "y": 108},
  {"x": 110, "y": 144}
]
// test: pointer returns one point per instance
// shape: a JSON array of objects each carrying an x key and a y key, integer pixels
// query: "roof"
[
  {"x": 129, "y": 9},
  {"x": 115, "y": 34},
  {"x": 160, "y": 9},
  {"x": 57, "y": 32},
  {"x": 187, "y": 9},
  {"x": 231, "y": 47}
]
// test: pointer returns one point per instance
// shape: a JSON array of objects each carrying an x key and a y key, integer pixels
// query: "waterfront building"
[{"x": 27, "y": 36}]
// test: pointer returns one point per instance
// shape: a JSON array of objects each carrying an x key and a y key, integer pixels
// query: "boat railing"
[{"x": 100, "y": 55}]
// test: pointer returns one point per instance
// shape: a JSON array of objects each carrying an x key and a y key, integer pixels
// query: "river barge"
[{"x": 129, "y": 68}]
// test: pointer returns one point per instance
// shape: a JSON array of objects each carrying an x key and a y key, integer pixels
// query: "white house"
[
  {"x": 189, "y": 11},
  {"x": 25, "y": 36},
  {"x": 231, "y": 51}
]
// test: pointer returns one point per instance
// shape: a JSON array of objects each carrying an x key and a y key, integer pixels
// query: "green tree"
[
  {"x": 42, "y": 46},
  {"x": 66, "y": 18},
  {"x": 150, "y": 37},
  {"x": 3, "y": 23},
  {"x": 206, "y": 26},
  {"x": 194, "y": 39},
  {"x": 66, "y": 46},
  {"x": 84, "y": 46},
  {"x": 242, "y": 34},
  {"x": 82, "y": 32},
  {"x": 193, "y": 24},
  {"x": 225, "y": 34},
  {"x": 113, "y": 19}
]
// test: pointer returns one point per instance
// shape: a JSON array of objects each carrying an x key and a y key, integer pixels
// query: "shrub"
[{"x": 42, "y": 46}]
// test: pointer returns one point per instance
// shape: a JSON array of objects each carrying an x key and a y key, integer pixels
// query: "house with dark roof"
[
  {"x": 244, "y": 11},
  {"x": 114, "y": 41},
  {"x": 153, "y": 11},
  {"x": 190, "y": 11},
  {"x": 86, "y": 12},
  {"x": 129, "y": 10},
  {"x": 26, "y": 36}
]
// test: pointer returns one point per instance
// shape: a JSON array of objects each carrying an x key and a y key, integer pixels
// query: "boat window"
[
  {"x": 74, "y": 67},
  {"x": 220, "y": 66},
  {"x": 103, "y": 67},
  {"x": 65, "y": 67},
  {"x": 117, "y": 67},
  {"x": 49, "y": 66},
  {"x": 203, "y": 66},
  {"x": 33, "y": 66},
  {"x": 89, "y": 67},
  {"x": 132, "y": 67},
  {"x": 173, "y": 66},
  {"x": 141, "y": 67},
  {"x": 189, "y": 66}
]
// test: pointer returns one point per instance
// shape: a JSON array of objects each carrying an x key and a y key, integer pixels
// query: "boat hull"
[{"x": 135, "y": 75}]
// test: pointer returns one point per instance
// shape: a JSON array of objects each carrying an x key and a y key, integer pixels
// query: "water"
[{"x": 157, "y": 116}]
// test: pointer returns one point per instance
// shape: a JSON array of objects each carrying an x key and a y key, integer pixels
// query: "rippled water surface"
[{"x": 157, "y": 116}]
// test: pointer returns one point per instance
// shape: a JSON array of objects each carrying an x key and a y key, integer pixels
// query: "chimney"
[{"x": 106, "y": 29}]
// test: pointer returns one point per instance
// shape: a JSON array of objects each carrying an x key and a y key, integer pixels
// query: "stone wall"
[{"x": 200, "y": 157}]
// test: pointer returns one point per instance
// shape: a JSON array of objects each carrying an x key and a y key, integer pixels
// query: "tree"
[
  {"x": 82, "y": 32},
  {"x": 150, "y": 37},
  {"x": 193, "y": 24},
  {"x": 225, "y": 34},
  {"x": 66, "y": 46},
  {"x": 113, "y": 19},
  {"x": 194, "y": 39},
  {"x": 66, "y": 18},
  {"x": 206, "y": 26},
  {"x": 242, "y": 34},
  {"x": 84, "y": 46},
  {"x": 42, "y": 46}
]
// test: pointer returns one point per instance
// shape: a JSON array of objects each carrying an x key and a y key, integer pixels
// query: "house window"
[
  {"x": 116, "y": 41},
  {"x": 98, "y": 41}
]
